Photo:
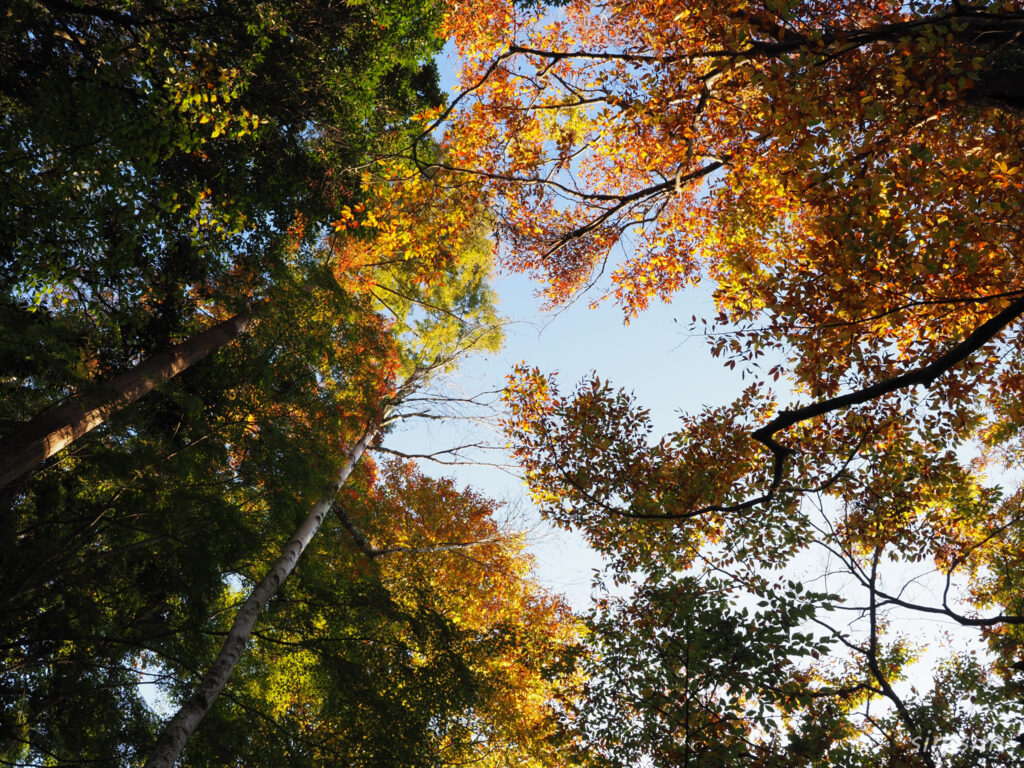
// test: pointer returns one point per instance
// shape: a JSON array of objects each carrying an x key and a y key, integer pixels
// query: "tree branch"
[{"x": 363, "y": 545}]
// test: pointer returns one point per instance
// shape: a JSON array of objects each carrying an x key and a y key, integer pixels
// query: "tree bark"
[
  {"x": 60, "y": 426},
  {"x": 180, "y": 727}
]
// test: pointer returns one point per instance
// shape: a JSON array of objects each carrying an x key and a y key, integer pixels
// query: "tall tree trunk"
[
  {"x": 58, "y": 427},
  {"x": 180, "y": 727}
]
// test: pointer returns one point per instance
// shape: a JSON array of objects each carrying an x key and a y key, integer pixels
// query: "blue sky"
[{"x": 653, "y": 357}]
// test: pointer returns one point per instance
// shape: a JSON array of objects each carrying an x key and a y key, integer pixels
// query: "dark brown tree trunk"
[{"x": 58, "y": 427}]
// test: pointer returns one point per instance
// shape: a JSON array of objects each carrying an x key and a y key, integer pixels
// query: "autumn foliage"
[{"x": 848, "y": 178}]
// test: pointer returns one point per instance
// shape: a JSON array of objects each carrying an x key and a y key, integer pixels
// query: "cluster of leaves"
[
  {"x": 387, "y": 654},
  {"x": 149, "y": 147},
  {"x": 848, "y": 175},
  {"x": 709, "y": 683},
  {"x": 171, "y": 165},
  {"x": 440, "y": 550}
]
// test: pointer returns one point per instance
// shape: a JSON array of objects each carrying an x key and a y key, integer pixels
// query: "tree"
[
  {"x": 433, "y": 323},
  {"x": 119, "y": 552},
  {"x": 419, "y": 227},
  {"x": 54, "y": 430},
  {"x": 413, "y": 623},
  {"x": 259, "y": 427},
  {"x": 157, "y": 169},
  {"x": 526, "y": 642},
  {"x": 148, "y": 138},
  {"x": 180, "y": 727},
  {"x": 655, "y": 107},
  {"x": 848, "y": 176},
  {"x": 172, "y": 164}
]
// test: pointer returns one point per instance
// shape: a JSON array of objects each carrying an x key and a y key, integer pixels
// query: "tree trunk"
[
  {"x": 58, "y": 427},
  {"x": 180, "y": 727}
]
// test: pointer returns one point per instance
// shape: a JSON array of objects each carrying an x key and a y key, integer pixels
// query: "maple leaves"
[
  {"x": 677, "y": 123},
  {"x": 412, "y": 633}
]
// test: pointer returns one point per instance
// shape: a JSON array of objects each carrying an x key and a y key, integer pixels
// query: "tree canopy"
[
  {"x": 848, "y": 177},
  {"x": 151, "y": 149},
  {"x": 168, "y": 167}
]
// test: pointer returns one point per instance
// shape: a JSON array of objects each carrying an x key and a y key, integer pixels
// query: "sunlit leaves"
[
  {"x": 847, "y": 175},
  {"x": 423, "y": 642},
  {"x": 418, "y": 249}
]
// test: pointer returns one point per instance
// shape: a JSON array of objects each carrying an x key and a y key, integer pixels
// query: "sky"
[{"x": 653, "y": 357}]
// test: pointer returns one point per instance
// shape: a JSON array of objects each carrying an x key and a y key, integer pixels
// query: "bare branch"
[{"x": 363, "y": 544}]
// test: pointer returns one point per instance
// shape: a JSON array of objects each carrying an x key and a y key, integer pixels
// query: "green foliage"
[
  {"x": 339, "y": 673},
  {"x": 164, "y": 163},
  {"x": 149, "y": 147},
  {"x": 686, "y": 676},
  {"x": 120, "y": 555}
]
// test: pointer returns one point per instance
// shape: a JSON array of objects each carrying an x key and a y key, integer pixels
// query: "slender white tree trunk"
[
  {"x": 180, "y": 727},
  {"x": 60, "y": 426}
]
